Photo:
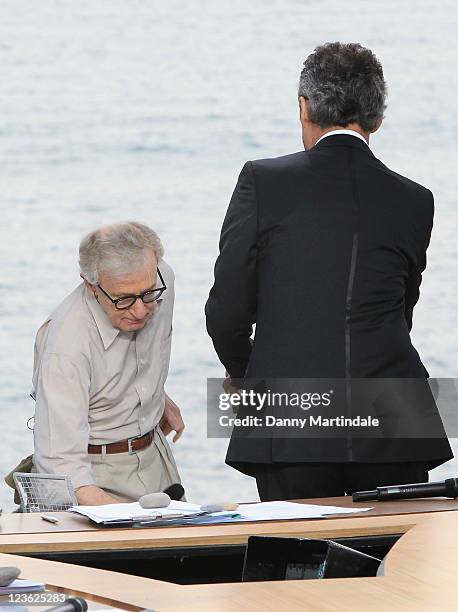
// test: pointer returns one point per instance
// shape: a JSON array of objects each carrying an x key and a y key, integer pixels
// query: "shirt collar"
[
  {"x": 347, "y": 132},
  {"x": 107, "y": 332}
]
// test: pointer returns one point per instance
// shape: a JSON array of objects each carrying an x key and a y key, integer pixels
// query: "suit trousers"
[{"x": 308, "y": 480}]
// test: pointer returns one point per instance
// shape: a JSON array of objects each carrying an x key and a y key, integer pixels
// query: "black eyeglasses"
[{"x": 147, "y": 297}]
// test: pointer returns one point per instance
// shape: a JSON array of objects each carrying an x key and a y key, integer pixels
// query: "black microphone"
[
  {"x": 72, "y": 604},
  {"x": 448, "y": 488},
  {"x": 175, "y": 491}
]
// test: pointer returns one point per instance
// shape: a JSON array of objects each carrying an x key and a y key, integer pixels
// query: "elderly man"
[
  {"x": 101, "y": 361},
  {"x": 324, "y": 251}
]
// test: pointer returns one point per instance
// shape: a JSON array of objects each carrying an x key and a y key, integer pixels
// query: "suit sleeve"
[
  {"x": 231, "y": 307},
  {"x": 417, "y": 267}
]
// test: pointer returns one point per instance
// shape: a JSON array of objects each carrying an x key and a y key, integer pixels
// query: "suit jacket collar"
[{"x": 343, "y": 140}]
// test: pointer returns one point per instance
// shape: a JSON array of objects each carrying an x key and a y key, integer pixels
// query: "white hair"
[{"x": 118, "y": 250}]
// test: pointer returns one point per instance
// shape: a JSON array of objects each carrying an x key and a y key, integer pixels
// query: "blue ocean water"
[{"x": 146, "y": 110}]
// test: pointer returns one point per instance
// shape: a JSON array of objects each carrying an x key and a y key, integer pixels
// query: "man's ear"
[
  {"x": 377, "y": 125},
  {"x": 89, "y": 286},
  {"x": 304, "y": 111}
]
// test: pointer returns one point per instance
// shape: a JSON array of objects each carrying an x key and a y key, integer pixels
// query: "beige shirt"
[{"x": 94, "y": 383}]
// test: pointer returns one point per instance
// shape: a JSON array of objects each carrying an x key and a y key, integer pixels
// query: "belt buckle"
[{"x": 129, "y": 444}]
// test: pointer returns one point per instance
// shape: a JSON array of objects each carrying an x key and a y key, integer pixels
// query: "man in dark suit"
[{"x": 323, "y": 250}]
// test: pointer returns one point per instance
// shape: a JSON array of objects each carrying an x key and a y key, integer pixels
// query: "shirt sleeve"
[{"x": 61, "y": 431}]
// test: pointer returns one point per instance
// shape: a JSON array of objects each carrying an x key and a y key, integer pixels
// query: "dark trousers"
[{"x": 308, "y": 480}]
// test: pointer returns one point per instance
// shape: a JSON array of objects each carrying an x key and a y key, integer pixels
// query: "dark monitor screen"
[{"x": 276, "y": 558}]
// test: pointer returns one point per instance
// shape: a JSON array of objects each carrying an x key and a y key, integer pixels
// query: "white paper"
[
  {"x": 263, "y": 511},
  {"x": 21, "y": 585},
  {"x": 280, "y": 510},
  {"x": 116, "y": 512}
]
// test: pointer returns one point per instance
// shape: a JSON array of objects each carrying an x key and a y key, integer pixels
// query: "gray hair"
[
  {"x": 117, "y": 249},
  {"x": 344, "y": 84}
]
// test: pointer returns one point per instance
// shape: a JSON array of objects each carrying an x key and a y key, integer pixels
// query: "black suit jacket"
[{"x": 324, "y": 251}]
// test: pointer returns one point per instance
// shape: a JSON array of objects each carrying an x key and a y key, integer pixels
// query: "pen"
[{"x": 50, "y": 519}]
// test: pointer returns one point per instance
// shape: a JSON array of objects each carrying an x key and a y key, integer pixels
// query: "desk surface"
[
  {"x": 420, "y": 570},
  {"x": 28, "y": 533}
]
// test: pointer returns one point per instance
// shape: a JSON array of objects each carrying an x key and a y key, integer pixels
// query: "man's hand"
[
  {"x": 91, "y": 495},
  {"x": 171, "y": 419},
  {"x": 228, "y": 386}
]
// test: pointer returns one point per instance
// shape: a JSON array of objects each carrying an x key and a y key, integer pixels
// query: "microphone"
[
  {"x": 448, "y": 488},
  {"x": 72, "y": 604},
  {"x": 154, "y": 500},
  {"x": 8, "y": 575},
  {"x": 175, "y": 491},
  {"x": 162, "y": 499}
]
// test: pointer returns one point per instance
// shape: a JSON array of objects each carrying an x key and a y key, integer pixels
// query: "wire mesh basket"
[{"x": 44, "y": 492}]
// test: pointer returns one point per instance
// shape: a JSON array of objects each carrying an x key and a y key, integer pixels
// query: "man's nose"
[{"x": 140, "y": 309}]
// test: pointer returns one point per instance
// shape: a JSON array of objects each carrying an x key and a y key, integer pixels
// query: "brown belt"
[{"x": 130, "y": 445}]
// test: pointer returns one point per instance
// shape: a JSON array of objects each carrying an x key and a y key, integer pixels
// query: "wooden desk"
[
  {"x": 28, "y": 533},
  {"x": 420, "y": 571}
]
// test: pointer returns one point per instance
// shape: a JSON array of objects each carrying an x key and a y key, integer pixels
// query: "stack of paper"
[
  {"x": 280, "y": 510},
  {"x": 266, "y": 511},
  {"x": 22, "y": 586},
  {"x": 133, "y": 511}
]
